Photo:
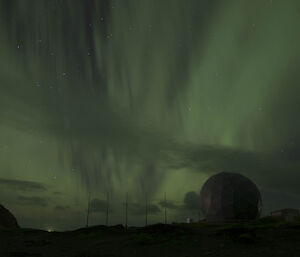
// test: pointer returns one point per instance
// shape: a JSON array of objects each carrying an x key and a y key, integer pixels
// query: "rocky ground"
[{"x": 261, "y": 238}]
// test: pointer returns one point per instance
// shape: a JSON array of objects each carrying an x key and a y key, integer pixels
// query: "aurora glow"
[{"x": 145, "y": 96}]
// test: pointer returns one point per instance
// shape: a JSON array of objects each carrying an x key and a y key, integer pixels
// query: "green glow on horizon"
[{"x": 177, "y": 79}]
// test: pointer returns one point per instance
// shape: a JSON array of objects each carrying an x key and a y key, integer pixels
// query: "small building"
[
  {"x": 189, "y": 220},
  {"x": 286, "y": 214}
]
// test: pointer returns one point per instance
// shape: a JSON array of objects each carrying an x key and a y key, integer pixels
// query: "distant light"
[{"x": 50, "y": 230}]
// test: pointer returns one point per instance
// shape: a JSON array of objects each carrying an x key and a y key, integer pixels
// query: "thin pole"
[
  {"x": 146, "y": 210},
  {"x": 165, "y": 208},
  {"x": 88, "y": 210},
  {"x": 107, "y": 206},
  {"x": 126, "y": 209}
]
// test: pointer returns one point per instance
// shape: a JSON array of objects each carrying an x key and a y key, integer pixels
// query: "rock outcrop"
[{"x": 7, "y": 219}]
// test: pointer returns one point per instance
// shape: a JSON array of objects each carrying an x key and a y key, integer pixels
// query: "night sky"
[{"x": 145, "y": 97}]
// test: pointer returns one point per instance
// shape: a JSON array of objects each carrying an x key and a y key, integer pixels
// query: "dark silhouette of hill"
[{"x": 263, "y": 237}]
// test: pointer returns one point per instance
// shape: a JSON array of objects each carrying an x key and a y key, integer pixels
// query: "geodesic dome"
[{"x": 230, "y": 196}]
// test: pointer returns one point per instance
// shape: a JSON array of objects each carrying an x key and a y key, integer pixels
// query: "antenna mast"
[
  {"x": 88, "y": 210},
  {"x": 146, "y": 210},
  {"x": 126, "y": 209},
  {"x": 165, "y": 208},
  {"x": 107, "y": 206}
]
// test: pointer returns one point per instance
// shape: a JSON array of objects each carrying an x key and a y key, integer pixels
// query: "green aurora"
[{"x": 145, "y": 96}]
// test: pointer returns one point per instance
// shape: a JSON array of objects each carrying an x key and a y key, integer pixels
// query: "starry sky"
[{"x": 144, "y": 97}]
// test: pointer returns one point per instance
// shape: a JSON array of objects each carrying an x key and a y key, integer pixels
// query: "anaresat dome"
[{"x": 230, "y": 196}]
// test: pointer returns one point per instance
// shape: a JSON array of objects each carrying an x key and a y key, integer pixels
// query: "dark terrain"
[{"x": 264, "y": 237}]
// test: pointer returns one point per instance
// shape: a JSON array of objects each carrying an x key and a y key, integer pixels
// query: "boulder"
[{"x": 7, "y": 219}]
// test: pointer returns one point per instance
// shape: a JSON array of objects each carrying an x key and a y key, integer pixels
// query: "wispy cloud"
[
  {"x": 265, "y": 168},
  {"x": 61, "y": 208},
  {"x": 37, "y": 201},
  {"x": 57, "y": 193},
  {"x": 22, "y": 185},
  {"x": 168, "y": 205},
  {"x": 138, "y": 209}
]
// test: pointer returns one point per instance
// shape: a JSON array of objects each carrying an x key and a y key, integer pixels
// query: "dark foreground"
[{"x": 261, "y": 238}]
